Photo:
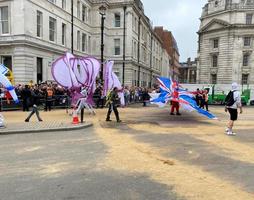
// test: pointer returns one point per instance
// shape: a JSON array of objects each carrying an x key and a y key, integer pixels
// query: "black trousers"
[
  {"x": 100, "y": 102},
  {"x": 82, "y": 115},
  {"x": 48, "y": 105},
  {"x": 114, "y": 108},
  {"x": 34, "y": 110},
  {"x": 206, "y": 105},
  {"x": 25, "y": 104}
]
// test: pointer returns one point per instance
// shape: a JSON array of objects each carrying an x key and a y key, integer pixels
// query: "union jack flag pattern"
[{"x": 171, "y": 91}]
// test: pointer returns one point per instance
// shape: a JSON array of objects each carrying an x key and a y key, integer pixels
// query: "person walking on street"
[
  {"x": 35, "y": 103},
  {"x": 233, "y": 103},
  {"x": 112, "y": 102}
]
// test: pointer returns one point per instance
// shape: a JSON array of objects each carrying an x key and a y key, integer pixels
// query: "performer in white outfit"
[{"x": 82, "y": 103}]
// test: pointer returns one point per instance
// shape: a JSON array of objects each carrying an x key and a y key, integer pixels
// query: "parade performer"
[
  {"x": 112, "y": 101},
  {"x": 82, "y": 103},
  {"x": 175, "y": 99},
  {"x": 185, "y": 99},
  {"x": 111, "y": 81},
  {"x": 74, "y": 73},
  {"x": 113, "y": 90},
  {"x": 7, "y": 84}
]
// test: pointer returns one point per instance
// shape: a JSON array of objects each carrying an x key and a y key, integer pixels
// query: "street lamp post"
[
  {"x": 72, "y": 24},
  {"x": 102, "y": 10}
]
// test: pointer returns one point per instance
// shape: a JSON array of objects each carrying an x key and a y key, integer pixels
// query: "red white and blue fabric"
[
  {"x": 170, "y": 91},
  {"x": 7, "y": 84}
]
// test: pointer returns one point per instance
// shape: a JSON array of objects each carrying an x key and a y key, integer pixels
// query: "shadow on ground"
[
  {"x": 209, "y": 157},
  {"x": 107, "y": 185}
]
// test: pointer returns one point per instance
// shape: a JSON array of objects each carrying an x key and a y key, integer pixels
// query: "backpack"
[{"x": 229, "y": 101}]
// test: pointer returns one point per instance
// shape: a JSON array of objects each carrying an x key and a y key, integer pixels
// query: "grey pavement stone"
[{"x": 35, "y": 127}]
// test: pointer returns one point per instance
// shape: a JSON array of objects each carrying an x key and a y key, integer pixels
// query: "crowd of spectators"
[
  {"x": 43, "y": 94},
  {"x": 49, "y": 93},
  {"x": 132, "y": 95},
  {"x": 202, "y": 98}
]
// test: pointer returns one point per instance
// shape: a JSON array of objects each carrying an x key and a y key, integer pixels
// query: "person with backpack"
[{"x": 232, "y": 104}]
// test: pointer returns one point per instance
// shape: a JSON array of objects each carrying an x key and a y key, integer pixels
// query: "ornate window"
[
  {"x": 215, "y": 60},
  {"x": 215, "y": 43},
  {"x": 214, "y": 78},
  {"x": 247, "y": 41},
  {"x": 249, "y": 17},
  {"x": 117, "y": 20},
  {"x": 52, "y": 29},
  {"x": 117, "y": 50},
  {"x": 246, "y": 58},
  {"x": 39, "y": 24},
  {"x": 245, "y": 79},
  {"x": 4, "y": 21}
]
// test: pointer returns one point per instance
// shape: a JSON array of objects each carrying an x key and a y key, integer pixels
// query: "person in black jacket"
[
  {"x": 36, "y": 102},
  {"x": 145, "y": 97},
  {"x": 26, "y": 96}
]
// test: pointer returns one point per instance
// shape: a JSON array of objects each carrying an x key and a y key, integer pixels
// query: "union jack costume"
[{"x": 170, "y": 91}]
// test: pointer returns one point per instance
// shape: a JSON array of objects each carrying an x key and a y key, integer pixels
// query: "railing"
[{"x": 58, "y": 101}]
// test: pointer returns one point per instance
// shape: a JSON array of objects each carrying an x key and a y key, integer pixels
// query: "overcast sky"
[{"x": 179, "y": 16}]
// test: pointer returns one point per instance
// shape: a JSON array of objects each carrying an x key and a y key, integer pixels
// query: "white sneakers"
[{"x": 230, "y": 133}]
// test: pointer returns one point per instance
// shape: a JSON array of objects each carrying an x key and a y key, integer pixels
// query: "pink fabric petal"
[
  {"x": 79, "y": 70},
  {"x": 61, "y": 73}
]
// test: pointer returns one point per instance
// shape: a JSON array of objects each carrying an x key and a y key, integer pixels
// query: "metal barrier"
[{"x": 58, "y": 101}]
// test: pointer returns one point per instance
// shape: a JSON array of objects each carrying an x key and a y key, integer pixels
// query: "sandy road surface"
[{"x": 189, "y": 153}]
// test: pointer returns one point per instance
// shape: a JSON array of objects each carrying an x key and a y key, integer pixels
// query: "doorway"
[{"x": 7, "y": 61}]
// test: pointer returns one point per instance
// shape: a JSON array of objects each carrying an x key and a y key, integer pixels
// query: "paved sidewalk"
[{"x": 57, "y": 120}]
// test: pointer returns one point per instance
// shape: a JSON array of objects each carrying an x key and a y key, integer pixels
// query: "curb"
[{"x": 43, "y": 130}]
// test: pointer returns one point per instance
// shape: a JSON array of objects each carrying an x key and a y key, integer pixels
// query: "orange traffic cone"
[{"x": 75, "y": 119}]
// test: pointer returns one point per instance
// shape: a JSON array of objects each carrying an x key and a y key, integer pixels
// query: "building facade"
[
  {"x": 188, "y": 72},
  {"x": 34, "y": 33},
  {"x": 226, "y": 42},
  {"x": 170, "y": 44}
]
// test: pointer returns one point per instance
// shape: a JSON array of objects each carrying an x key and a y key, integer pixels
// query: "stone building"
[
  {"x": 34, "y": 33},
  {"x": 170, "y": 44},
  {"x": 188, "y": 72},
  {"x": 226, "y": 42}
]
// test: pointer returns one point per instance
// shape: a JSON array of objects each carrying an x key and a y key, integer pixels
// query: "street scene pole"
[
  {"x": 72, "y": 27},
  {"x": 102, "y": 11}
]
